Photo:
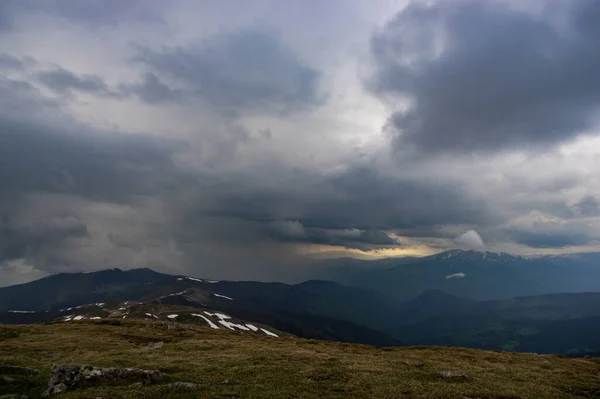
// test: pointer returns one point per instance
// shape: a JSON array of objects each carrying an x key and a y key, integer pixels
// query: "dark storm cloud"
[
  {"x": 63, "y": 81},
  {"x": 248, "y": 70},
  {"x": 60, "y": 80},
  {"x": 149, "y": 88},
  {"x": 8, "y": 10},
  {"x": 541, "y": 239},
  {"x": 365, "y": 198},
  {"x": 480, "y": 76},
  {"x": 9, "y": 62},
  {"x": 102, "y": 13},
  {"x": 587, "y": 207},
  {"x": 96, "y": 13},
  {"x": 294, "y": 231},
  {"x": 19, "y": 240},
  {"x": 112, "y": 167},
  {"x": 59, "y": 176},
  {"x": 152, "y": 90},
  {"x": 41, "y": 149},
  {"x": 75, "y": 197},
  {"x": 357, "y": 198}
]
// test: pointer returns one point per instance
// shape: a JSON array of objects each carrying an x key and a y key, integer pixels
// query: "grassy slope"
[{"x": 227, "y": 364}]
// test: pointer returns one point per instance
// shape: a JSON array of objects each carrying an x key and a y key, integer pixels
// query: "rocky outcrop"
[
  {"x": 152, "y": 346},
  {"x": 70, "y": 376},
  {"x": 184, "y": 385}
]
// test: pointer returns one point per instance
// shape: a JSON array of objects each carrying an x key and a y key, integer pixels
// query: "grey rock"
[
  {"x": 155, "y": 345},
  {"x": 18, "y": 370},
  {"x": 72, "y": 375},
  {"x": 186, "y": 385},
  {"x": 55, "y": 390},
  {"x": 454, "y": 375}
]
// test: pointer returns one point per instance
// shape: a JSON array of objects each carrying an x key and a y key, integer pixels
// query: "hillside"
[
  {"x": 318, "y": 310},
  {"x": 222, "y": 363},
  {"x": 553, "y": 323},
  {"x": 73, "y": 289}
]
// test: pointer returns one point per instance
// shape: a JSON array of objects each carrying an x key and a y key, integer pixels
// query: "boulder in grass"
[{"x": 73, "y": 375}]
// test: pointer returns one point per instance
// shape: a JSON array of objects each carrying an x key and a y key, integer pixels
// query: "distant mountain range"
[
  {"x": 476, "y": 275},
  {"x": 460, "y": 298},
  {"x": 320, "y": 310}
]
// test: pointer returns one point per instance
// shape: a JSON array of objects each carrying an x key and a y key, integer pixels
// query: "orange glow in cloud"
[{"x": 339, "y": 251}]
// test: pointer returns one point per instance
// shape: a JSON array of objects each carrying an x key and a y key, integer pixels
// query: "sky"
[{"x": 236, "y": 140}]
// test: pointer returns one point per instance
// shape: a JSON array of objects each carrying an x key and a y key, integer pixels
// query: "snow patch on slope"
[
  {"x": 233, "y": 326},
  {"x": 210, "y": 323},
  {"x": 221, "y": 316},
  {"x": 456, "y": 275},
  {"x": 269, "y": 333}
]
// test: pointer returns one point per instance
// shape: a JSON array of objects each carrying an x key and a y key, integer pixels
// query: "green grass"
[{"x": 233, "y": 365}]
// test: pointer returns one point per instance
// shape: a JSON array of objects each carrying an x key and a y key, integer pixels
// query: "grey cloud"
[
  {"x": 480, "y": 76},
  {"x": 588, "y": 206},
  {"x": 359, "y": 197},
  {"x": 541, "y": 239},
  {"x": 19, "y": 100},
  {"x": 73, "y": 198},
  {"x": 41, "y": 149},
  {"x": 96, "y": 13},
  {"x": 27, "y": 240},
  {"x": 247, "y": 70},
  {"x": 65, "y": 186},
  {"x": 149, "y": 88},
  {"x": 60, "y": 80},
  {"x": 64, "y": 81},
  {"x": 294, "y": 231},
  {"x": 76, "y": 198},
  {"x": 152, "y": 90},
  {"x": 9, "y": 62},
  {"x": 8, "y": 10},
  {"x": 366, "y": 198},
  {"x": 542, "y": 230},
  {"x": 111, "y": 167}
]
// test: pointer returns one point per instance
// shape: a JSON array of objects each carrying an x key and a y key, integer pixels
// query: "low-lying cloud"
[{"x": 472, "y": 239}]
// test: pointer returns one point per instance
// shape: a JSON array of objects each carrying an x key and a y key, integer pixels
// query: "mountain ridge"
[
  {"x": 481, "y": 275},
  {"x": 565, "y": 322}
]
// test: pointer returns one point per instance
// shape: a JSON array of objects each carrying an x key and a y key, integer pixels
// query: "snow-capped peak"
[{"x": 471, "y": 255}]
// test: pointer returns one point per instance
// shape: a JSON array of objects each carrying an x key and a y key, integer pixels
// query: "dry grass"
[{"x": 234, "y": 365}]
